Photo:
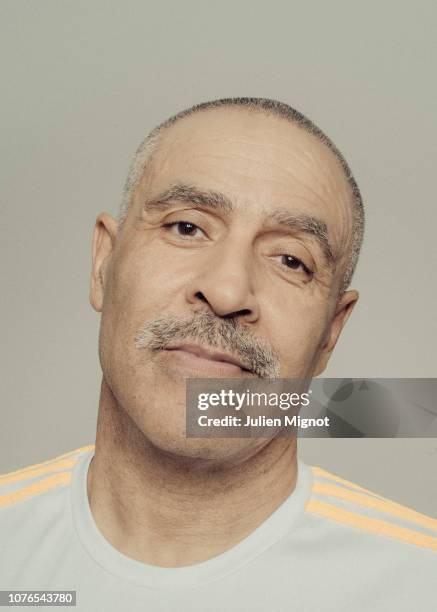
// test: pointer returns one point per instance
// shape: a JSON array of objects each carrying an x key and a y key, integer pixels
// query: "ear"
[
  {"x": 342, "y": 312},
  {"x": 105, "y": 232}
]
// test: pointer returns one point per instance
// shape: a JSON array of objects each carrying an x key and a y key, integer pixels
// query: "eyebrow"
[
  {"x": 187, "y": 194},
  {"x": 301, "y": 222},
  {"x": 217, "y": 201}
]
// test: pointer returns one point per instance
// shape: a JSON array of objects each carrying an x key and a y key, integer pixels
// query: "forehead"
[{"x": 259, "y": 161}]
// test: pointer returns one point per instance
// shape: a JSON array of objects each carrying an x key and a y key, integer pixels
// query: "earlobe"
[
  {"x": 104, "y": 235},
  {"x": 343, "y": 311}
]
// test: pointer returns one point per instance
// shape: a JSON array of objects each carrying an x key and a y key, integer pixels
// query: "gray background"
[{"x": 84, "y": 81}]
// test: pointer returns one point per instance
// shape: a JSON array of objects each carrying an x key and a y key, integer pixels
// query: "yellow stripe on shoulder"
[
  {"x": 61, "y": 462},
  {"x": 376, "y": 503},
  {"x": 41, "y": 486},
  {"x": 317, "y": 471},
  {"x": 371, "y": 525}
]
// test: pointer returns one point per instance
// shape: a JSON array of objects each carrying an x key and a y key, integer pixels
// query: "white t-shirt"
[{"x": 331, "y": 545}]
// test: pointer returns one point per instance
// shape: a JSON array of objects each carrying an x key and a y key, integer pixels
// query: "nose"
[{"x": 224, "y": 283}]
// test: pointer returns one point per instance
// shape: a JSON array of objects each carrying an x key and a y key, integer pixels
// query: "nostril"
[
  {"x": 238, "y": 313},
  {"x": 219, "y": 309},
  {"x": 201, "y": 297}
]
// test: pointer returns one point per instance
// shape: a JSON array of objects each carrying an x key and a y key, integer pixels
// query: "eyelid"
[
  {"x": 284, "y": 243},
  {"x": 180, "y": 213},
  {"x": 184, "y": 215}
]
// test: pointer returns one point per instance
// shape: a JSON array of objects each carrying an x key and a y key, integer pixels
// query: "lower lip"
[{"x": 195, "y": 365}]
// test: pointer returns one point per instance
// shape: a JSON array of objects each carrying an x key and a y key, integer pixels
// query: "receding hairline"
[
  {"x": 143, "y": 158},
  {"x": 161, "y": 137},
  {"x": 274, "y": 110}
]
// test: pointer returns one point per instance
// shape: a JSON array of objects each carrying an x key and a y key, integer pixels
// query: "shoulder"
[
  {"x": 35, "y": 517},
  {"x": 361, "y": 512},
  {"x": 35, "y": 482}
]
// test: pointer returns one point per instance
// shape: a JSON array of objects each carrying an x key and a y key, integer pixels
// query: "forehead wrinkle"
[
  {"x": 312, "y": 184},
  {"x": 320, "y": 182}
]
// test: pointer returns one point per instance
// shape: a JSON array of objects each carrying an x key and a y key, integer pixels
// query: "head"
[{"x": 236, "y": 242}]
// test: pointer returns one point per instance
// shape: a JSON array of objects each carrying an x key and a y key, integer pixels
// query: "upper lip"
[{"x": 205, "y": 353}]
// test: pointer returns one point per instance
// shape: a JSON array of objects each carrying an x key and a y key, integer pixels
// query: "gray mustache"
[{"x": 209, "y": 331}]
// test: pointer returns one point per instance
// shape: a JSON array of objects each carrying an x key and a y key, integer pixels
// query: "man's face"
[{"x": 233, "y": 250}]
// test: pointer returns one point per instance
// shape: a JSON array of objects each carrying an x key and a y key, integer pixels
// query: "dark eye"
[
  {"x": 184, "y": 228},
  {"x": 294, "y": 263},
  {"x": 291, "y": 262}
]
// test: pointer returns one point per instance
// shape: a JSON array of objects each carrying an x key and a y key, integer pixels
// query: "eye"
[
  {"x": 184, "y": 229},
  {"x": 294, "y": 263}
]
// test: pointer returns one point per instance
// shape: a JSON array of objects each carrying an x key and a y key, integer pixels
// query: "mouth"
[{"x": 200, "y": 359}]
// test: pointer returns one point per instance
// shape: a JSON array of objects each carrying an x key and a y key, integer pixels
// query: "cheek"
[
  {"x": 296, "y": 332},
  {"x": 142, "y": 283}
]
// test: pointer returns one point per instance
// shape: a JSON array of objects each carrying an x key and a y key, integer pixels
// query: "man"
[{"x": 232, "y": 256}]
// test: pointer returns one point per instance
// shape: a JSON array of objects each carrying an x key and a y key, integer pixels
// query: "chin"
[{"x": 203, "y": 453}]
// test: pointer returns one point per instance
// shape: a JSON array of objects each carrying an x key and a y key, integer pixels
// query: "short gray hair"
[{"x": 149, "y": 145}]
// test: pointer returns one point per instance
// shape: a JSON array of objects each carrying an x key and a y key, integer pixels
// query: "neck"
[{"x": 161, "y": 510}]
